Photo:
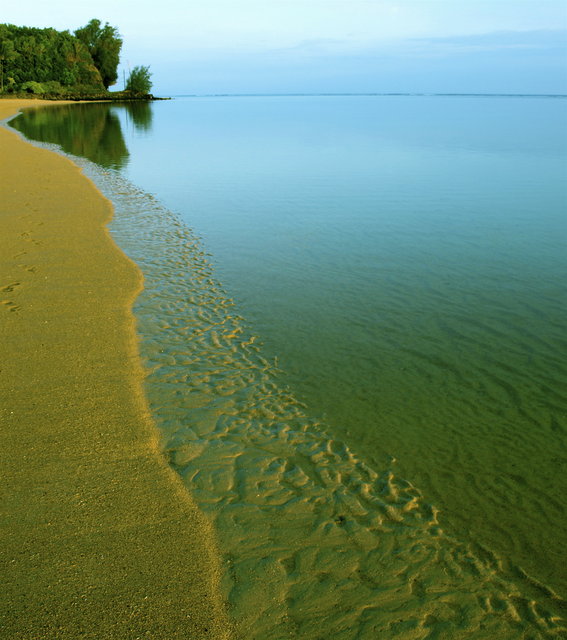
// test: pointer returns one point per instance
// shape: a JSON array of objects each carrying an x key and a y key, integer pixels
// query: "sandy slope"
[{"x": 98, "y": 539}]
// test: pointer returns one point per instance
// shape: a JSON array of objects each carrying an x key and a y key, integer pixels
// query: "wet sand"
[{"x": 99, "y": 539}]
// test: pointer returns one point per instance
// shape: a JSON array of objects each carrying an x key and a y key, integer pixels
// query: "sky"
[{"x": 335, "y": 46}]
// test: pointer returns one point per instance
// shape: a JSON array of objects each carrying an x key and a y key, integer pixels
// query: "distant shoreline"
[
  {"x": 117, "y": 97},
  {"x": 369, "y": 94},
  {"x": 121, "y": 97}
]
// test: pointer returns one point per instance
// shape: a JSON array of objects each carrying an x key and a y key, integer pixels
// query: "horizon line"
[{"x": 369, "y": 94}]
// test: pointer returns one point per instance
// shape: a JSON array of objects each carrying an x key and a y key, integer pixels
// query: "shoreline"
[{"x": 94, "y": 519}]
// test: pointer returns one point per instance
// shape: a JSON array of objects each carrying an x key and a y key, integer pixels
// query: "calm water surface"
[{"x": 404, "y": 259}]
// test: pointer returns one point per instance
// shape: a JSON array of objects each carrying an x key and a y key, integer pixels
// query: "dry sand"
[{"x": 99, "y": 539}]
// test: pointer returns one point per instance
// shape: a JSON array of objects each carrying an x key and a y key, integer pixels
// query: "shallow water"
[{"x": 404, "y": 259}]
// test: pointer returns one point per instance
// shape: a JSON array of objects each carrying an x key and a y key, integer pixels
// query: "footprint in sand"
[
  {"x": 9, "y": 287},
  {"x": 11, "y": 306},
  {"x": 28, "y": 268},
  {"x": 30, "y": 219},
  {"x": 26, "y": 235}
]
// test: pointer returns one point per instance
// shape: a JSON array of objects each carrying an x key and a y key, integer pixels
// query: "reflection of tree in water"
[
  {"x": 92, "y": 131},
  {"x": 141, "y": 114}
]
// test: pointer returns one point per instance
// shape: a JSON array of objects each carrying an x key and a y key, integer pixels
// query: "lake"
[{"x": 354, "y": 325}]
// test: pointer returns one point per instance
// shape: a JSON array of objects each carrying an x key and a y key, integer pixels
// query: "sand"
[{"x": 99, "y": 538}]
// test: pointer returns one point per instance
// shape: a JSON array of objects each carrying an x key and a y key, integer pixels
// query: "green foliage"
[
  {"x": 33, "y": 87},
  {"x": 104, "y": 45},
  {"x": 44, "y": 56},
  {"x": 57, "y": 63},
  {"x": 139, "y": 80},
  {"x": 39, "y": 88},
  {"x": 7, "y": 55}
]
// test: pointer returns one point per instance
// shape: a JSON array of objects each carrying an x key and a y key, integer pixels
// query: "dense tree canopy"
[
  {"x": 59, "y": 62},
  {"x": 47, "y": 57},
  {"x": 104, "y": 45}
]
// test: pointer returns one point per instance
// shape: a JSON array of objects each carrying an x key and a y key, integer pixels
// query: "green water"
[{"x": 404, "y": 260}]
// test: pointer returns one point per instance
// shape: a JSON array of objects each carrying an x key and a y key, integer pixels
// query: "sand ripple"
[{"x": 316, "y": 544}]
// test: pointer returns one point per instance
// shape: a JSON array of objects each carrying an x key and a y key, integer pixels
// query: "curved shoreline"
[
  {"x": 99, "y": 536},
  {"x": 338, "y": 547},
  {"x": 255, "y": 462}
]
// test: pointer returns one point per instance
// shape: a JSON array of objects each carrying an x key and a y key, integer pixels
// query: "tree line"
[{"x": 47, "y": 61}]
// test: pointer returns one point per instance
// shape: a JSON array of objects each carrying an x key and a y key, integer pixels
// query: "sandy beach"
[{"x": 99, "y": 539}]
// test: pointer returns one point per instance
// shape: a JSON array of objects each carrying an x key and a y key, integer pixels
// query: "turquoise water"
[
  {"x": 403, "y": 260},
  {"x": 406, "y": 260}
]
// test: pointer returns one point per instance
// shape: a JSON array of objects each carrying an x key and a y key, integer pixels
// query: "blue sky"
[{"x": 254, "y": 46}]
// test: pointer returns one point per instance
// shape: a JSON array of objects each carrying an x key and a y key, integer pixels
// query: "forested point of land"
[{"x": 51, "y": 63}]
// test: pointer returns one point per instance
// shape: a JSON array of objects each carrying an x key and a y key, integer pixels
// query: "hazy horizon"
[{"x": 301, "y": 46}]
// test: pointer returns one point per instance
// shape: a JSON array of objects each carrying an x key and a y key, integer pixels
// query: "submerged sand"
[{"x": 99, "y": 539}]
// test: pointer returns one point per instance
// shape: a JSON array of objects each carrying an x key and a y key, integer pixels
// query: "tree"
[
  {"x": 104, "y": 45},
  {"x": 7, "y": 54},
  {"x": 48, "y": 57},
  {"x": 139, "y": 80}
]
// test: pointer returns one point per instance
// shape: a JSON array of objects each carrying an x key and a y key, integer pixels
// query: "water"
[{"x": 401, "y": 466}]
